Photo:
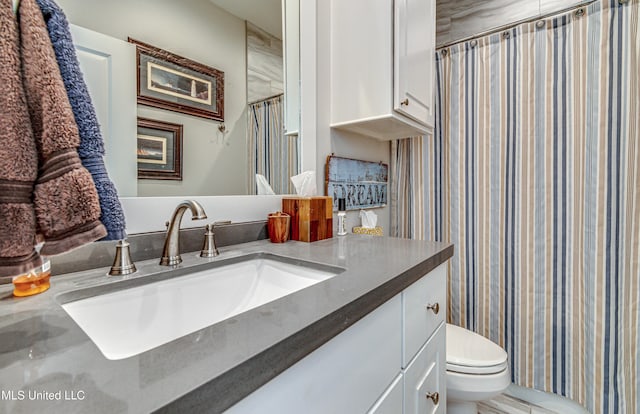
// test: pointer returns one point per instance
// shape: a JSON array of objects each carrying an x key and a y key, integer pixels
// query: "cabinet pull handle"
[
  {"x": 435, "y": 307},
  {"x": 433, "y": 396},
  {"x": 405, "y": 102}
]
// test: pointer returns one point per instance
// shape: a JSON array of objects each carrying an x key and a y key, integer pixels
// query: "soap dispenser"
[{"x": 342, "y": 217}]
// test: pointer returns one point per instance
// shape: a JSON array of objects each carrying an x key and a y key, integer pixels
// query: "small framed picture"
[
  {"x": 169, "y": 81},
  {"x": 159, "y": 150}
]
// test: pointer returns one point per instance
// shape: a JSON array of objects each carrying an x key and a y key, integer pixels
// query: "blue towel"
[{"x": 91, "y": 149}]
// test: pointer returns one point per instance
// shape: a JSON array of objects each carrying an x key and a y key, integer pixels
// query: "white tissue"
[
  {"x": 263, "y": 185},
  {"x": 368, "y": 219},
  {"x": 305, "y": 183}
]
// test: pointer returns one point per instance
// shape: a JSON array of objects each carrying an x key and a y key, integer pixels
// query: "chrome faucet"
[{"x": 171, "y": 250}]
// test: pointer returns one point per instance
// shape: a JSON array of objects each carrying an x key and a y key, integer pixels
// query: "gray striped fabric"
[
  {"x": 534, "y": 175},
  {"x": 271, "y": 153}
]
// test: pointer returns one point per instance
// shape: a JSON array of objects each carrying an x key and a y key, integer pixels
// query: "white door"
[
  {"x": 414, "y": 48},
  {"x": 108, "y": 66}
]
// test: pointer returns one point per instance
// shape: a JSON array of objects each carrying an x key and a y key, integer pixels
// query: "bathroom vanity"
[
  {"x": 393, "y": 357},
  {"x": 370, "y": 338}
]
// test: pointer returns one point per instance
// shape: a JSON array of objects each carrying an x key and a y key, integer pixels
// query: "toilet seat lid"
[{"x": 468, "y": 352}]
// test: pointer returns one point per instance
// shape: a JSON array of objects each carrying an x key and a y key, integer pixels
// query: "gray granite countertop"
[{"x": 48, "y": 364}]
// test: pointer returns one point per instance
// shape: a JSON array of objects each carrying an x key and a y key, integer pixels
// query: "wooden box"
[{"x": 311, "y": 217}]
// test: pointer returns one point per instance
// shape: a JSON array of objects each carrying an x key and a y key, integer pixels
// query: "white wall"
[
  {"x": 332, "y": 141},
  {"x": 214, "y": 163},
  {"x": 349, "y": 145}
]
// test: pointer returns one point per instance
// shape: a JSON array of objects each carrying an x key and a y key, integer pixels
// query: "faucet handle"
[
  {"x": 209, "y": 248},
  {"x": 122, "y": 263}
]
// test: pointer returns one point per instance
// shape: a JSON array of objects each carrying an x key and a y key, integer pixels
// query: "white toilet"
[{"x": 477, "y": 370}]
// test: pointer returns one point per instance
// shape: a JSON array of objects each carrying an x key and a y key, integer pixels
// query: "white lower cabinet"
[
  {"x": 424, "y": 378},
  {"x": 370, "y": 367},
  {"x": 345, "y": 375}
]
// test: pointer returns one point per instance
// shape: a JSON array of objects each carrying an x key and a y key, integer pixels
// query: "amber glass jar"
[{"x": 34, "y": 282}]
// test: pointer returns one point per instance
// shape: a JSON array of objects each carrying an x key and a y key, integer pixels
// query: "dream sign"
[{"x": 362, "y": 183}]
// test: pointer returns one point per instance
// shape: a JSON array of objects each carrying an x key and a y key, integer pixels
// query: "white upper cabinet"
[
  {"x": 413, "y": 58},
  {"x": 382, "y": 67}
]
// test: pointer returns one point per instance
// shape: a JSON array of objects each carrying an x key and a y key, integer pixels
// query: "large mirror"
[{"x": 242, "y": 38}]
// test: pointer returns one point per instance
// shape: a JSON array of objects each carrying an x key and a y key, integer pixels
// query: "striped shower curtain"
[
  {"x": 271, "y": 153},
  {"x": 534, "y": 174}
]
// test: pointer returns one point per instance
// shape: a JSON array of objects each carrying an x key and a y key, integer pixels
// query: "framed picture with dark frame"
[
  {"x": 159, "y": 150},
  {"x": 168, "y": 81}
]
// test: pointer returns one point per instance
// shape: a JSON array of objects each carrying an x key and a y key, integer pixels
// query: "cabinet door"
[
  {"x": 414, "y": 48},
  {"x": 424, "y": 379}
]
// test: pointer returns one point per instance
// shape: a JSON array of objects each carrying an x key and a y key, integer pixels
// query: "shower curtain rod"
[
  {"x": 266, "y": 99},
  {"x": 519, "y": 22}
]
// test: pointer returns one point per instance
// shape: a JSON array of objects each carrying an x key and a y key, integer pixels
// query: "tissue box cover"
[
  {"x": 376, "y": 231},
  {"x": 311, "y": 217}
]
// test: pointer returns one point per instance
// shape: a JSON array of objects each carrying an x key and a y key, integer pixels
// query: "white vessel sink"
[{"x": 132, "y": 320}]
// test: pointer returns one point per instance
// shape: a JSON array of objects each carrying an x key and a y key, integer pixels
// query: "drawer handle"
[
  {"x": 405, "y": 102},
  {"x": 435, "y": 308},
  {"x": 433, "y": 396}
]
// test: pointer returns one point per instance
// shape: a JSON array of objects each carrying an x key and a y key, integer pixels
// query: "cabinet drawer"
[
  {"x": 424, "y": 307},
  {"x": 391, "y": 401},
  {"x": 424, "y": 378}
]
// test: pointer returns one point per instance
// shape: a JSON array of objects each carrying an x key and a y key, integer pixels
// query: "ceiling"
[{"x": 266, "y": 14}]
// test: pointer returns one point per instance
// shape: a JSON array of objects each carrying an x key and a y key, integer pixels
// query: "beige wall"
[{"x": 213, "y": 163}]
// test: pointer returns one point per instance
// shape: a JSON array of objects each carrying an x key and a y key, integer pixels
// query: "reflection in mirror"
[
  {"x": 272, "y": 154},
  {"x": 243, "y": 39}
]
